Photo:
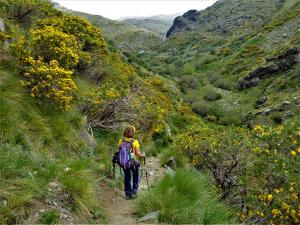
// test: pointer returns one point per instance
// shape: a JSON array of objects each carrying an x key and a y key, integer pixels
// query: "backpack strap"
[{"x": 131, "y": 142}]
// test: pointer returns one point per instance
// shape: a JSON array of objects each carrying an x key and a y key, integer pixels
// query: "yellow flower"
[
  {"x": 293, "y": 153},
  {"x": 276, "y": 212},
  {"x": 276, "y": 191},
  {"x": 270, "y": 197},
  {"x": 294, "y": 196}
]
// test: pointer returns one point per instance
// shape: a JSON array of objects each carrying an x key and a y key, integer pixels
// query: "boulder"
[
  {"x": 2, "y": 25},
  {"x": 53, "y": 185},
  {"x": 261, "y": 101},
  {"x": 171, "y": 162},
  {"x": 289, "y": 114},
  {"x": 150, "y": 216},
  {"x": 169, "y": 171}
]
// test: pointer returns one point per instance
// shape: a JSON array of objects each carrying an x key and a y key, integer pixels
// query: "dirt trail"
[{"x": 122, "y": 211}]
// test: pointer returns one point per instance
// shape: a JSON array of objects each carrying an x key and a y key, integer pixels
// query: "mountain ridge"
[{"x": 125, "y": 36}]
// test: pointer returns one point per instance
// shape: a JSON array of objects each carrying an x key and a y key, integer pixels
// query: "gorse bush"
[
  {"x": 52, "y": 44},
  {"x": 24, "y": 11},
  {"x": 88, "y": 36},
  {"x": 181, "y": 199},
  {"x": 262, "y": 164},
  {"x": 57, "y": 47},
  {"x": 49, "y": 81}
]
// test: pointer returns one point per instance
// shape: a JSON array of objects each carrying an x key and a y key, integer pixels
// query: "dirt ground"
[{"x": 121, "y": 211}]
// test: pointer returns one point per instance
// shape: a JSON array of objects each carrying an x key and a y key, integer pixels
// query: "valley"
[{"x": 214, "y": 96}]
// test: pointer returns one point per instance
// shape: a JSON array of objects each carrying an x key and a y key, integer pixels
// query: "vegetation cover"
[{"x": 66, "y": 93}]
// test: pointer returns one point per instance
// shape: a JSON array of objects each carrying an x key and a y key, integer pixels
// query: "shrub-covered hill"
[
  {"x": 157, "y": 24},
  {"x": 65, "y": 96},
  {"x": 64, "y": 99},
  {"x": 235, "y": 56},
  {"x": 125, "y": 36}
]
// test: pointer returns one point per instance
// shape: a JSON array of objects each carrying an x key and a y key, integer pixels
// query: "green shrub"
[
  {"x": 231, "y": 117},
  {"x": 217, "y": 110},
  {"x": 161, "y": 139},
  {"x": 191, "y": 96},
  {"x": 277, "y": 117},
  {"x": 177, "y": 122},
  {"x": 50, "y": 216},
  {"x": 184, "y": 198},
  {"x": 188, "y": 69},
  {"x": 210, "y": 94},
  {"x": 226, "y": 84},
  {"x": 203, "y": 60},
  {"x": 188, "y": 82},
  {"x": 171, "y": 69},
  {"x": 201, "y": 107}
]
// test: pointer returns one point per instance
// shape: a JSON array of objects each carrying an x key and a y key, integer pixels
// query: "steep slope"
[
  {"x": 125, "y": 36},
  {"x": 244, "y": 54},
  {"x": 226, "y": 17},
  {"x": 64, "y": 97}
]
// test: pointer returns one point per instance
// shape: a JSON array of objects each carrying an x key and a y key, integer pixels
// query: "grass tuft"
[{"x": 184, "y": 198}]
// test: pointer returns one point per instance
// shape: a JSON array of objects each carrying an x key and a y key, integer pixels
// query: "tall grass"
[
  {"x": 37, "y": 144},
  {"x": 184, "y": 198}
]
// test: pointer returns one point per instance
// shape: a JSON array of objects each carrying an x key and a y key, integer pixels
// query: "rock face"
[
  {"x": 2, "y": 25},
  {"x": 183, "y": 23},
  {"x": 279, "y": 64},
  {"x": 226, "y": 17}
]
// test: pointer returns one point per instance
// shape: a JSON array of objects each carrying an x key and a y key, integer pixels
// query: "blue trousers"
[{"x": 128, "y": 172}]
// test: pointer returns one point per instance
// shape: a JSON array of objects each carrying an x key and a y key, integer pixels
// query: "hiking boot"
[
  {"x": 128, "y": 197},
  {"x": 134, "y": 195}
]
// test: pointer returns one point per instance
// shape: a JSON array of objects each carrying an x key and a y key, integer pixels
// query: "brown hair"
[{"x": 129, "y": 132}]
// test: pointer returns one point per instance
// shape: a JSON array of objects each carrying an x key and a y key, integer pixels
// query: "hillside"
[
  {"x": 227, "y": 17},
  {"x": 65, "y": 100},
  {"x": 157, "y": 24},
  {"x": 216, "y": 114},
  {"x": 125, "y": 36},
  {"x": 245, "y": 56}
]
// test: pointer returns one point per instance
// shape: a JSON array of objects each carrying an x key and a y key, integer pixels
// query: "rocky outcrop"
[
  {"x": 2, "y": 25},
  {"x": 279, "y": 64},
  {"x": 183, "y": 23}
]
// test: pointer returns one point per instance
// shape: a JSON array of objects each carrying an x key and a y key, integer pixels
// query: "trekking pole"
[
  {"x": 146, "y": 173},
  {"x": 114, "y": 171}
]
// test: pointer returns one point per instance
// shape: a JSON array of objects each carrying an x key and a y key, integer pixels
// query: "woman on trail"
[{"x": 133, "y": 167}]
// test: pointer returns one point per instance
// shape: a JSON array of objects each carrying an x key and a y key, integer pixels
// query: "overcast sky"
[{"x": 115, "y": 9}]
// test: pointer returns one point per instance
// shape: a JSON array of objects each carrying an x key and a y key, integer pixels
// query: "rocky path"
[{"x": 122, "y": 211}]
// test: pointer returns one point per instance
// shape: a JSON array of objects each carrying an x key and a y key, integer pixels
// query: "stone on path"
[{"x": 149, "y": 216}]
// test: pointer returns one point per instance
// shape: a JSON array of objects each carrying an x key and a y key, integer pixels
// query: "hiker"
[{"x": 131, "y": 166}]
